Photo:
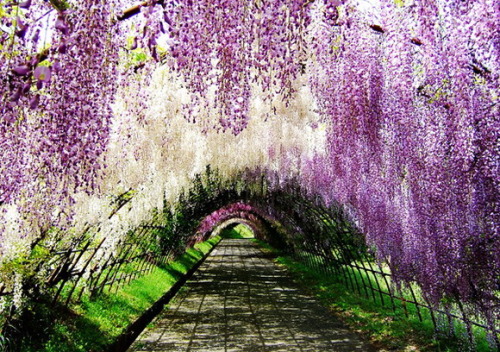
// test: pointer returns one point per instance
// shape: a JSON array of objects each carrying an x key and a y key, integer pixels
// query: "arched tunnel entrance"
[{"x": 234, "y": 228}]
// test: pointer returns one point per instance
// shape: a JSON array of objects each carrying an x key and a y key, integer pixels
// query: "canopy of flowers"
[{"x": 388, "y": 107}]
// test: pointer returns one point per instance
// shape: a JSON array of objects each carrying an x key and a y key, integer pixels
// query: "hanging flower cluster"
[
  {"x": 411, "y": 93},
  {"x": 226, "y": 45},
  {"x": 58, "y": 67}
]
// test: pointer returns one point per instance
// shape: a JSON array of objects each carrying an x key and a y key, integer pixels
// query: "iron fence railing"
[{"x": 322, "y": 239}]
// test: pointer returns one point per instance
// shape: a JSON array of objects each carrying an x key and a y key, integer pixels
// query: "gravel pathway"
[{"x": 239, "y": 300}]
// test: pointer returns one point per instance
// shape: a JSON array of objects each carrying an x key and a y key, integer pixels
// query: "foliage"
[
  {"x": 94, "y": 324},
  {"x": 237, "y": 231}
]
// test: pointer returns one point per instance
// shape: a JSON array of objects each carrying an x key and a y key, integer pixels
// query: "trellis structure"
[{"x": 323, "y": 238}]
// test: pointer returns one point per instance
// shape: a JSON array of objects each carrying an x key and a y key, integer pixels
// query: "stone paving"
[{"x": 239, "y": 300}]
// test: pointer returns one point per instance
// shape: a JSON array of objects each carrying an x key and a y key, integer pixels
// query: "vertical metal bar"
[
  {"x": 93, "y": 286},
  {"x": 368, "y": 278},
  {"x": 378, "y": 283},
  {"x": 66, "y": 263},
  {"x": 466, "y": 320},
  {"x": 416, "y": 304},
  {"x": 82, "y": 271},
  {"x": 70, "y": 271}
]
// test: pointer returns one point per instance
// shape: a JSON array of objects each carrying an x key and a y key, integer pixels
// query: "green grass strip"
[
  {"x": 389, "y": 330},
  {"x": 94, "y": 324}
]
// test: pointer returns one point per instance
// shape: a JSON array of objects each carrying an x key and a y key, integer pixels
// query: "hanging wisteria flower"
[
  {"x": 21, "y": 70},
  {"x": 43, "y": 73}
]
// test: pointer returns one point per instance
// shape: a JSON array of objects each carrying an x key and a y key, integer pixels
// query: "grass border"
[
  {"x": 387, "y": 329},
  {"x": 125, "y": 340},
  {"x": 111, "y": 319}
]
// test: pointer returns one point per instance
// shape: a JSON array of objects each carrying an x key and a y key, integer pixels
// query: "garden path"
[{"x": 239, "y": 300}]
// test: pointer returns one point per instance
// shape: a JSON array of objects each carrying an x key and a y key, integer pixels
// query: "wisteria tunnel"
[{"x": 264, "y": 175}]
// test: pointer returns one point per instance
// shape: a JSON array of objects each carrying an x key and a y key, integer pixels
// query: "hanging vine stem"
[{"x": 134, "y": 10}]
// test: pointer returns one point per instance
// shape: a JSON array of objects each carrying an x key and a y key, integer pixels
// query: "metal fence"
[
  {"x": 131, "y": 259},
  {"x": 326, "y": 241}
]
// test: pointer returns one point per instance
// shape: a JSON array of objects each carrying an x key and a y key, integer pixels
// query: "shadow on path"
[{"x": 239, "y": 300}]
